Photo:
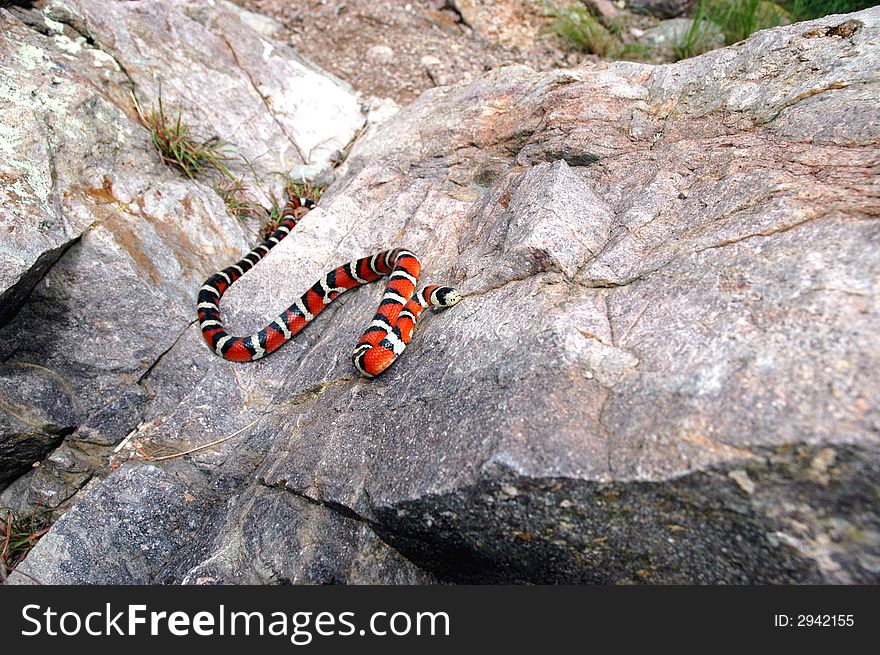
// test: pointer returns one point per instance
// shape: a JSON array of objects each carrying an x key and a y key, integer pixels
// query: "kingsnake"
[{"x": 381, "y": 343}]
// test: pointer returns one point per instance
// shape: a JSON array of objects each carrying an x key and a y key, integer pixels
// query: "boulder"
[
  {"x": 604, "y": 10},
  {"x": 104, "y": 247},
  {"x": 663, "y": 369},
  {"x": 144, "y": 518},
  {"x": 660, "y": 8},
  {"x": 672, "y": 34},
  {"x": 137, "y": 520}
]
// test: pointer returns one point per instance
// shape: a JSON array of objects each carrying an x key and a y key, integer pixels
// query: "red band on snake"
[{"x": 382, "y": 342}]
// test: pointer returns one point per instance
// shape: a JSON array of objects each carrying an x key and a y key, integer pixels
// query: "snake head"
[{"x": 445, "y": 297}]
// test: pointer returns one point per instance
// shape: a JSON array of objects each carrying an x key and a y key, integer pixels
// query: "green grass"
[
  {"x": 634, "y": 52},
  {"x": 698, "y": 39},
  {"x": 178, "y": 148},
  {"x": 18, "y": 534},
  {"x": 577, "y": 27},
  {"x": 582, "y": 32},
  {"x": 234, "y": 194},
  {"x": 292, "y": 189},
  {"x": 737, "y": 19},
  {"x": 296, "y": 189},
  {"x": 809, "y": 9}
]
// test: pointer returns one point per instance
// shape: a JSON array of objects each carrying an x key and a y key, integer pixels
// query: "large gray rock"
[
  {"x": 663, "y": 369},
  {"x": 39, "y": 109},
  {"x": 269, "y": 535},
  {"x": 140, "y": 518},
  {"x": 80, "y": 178},
  {"x": 144, "y": 518}
]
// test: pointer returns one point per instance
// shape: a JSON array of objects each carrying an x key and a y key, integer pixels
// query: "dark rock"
[
  {"x": 273, "y": 537},
  {"x": 660, "y": 8},
  {"x": 138, "y": 520},
  {"x": 37, "y": 412}
]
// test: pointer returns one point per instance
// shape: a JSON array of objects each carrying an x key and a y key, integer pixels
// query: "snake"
[{"x": 384, "y": 339}]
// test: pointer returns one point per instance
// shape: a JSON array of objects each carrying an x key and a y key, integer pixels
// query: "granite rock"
[{"x": 662, "y": 370}]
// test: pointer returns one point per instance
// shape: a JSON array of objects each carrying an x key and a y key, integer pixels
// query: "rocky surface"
[
  {"x": 145, "y": 516},
  {"x": 400, "y": 48},
  {"x": 662, "y": 371},
  {"x": 80, "y": 178}
]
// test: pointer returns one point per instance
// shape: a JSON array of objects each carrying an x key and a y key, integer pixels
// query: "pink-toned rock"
[{"x": 604, "y": 9}]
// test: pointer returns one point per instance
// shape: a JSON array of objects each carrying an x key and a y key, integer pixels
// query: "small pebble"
[{"x": 380, "y": 54}]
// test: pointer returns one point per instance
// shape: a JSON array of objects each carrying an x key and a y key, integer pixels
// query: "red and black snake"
[{"x": 381, "y": 343}]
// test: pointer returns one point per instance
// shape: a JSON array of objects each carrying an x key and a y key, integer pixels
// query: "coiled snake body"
[{"x": 381, "y": 343}]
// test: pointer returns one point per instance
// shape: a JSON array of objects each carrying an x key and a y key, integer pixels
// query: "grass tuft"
[
  {"x": 296, "y": 189},
  {"x": 18, "y": 534},
  {"x": 809, "y": 9},
  {"x": 233, "y": 193},
  {"x": 292, "y": 189},
  {"x": 634, "y": 52},
  {"x": 581, "y": 30},
  {"x": 739, "y": 19},
  {"x": 695, "y": 40},
  {"x": 584, "y": 33},
  {"x": 178, "y": 148},
  {"x": 272, "y": 216}
]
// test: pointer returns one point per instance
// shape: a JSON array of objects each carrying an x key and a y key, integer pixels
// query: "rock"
[
  {"x": 163, "y": 514},
  {"x": 160, "y": 516},
  {"x": 260, "y": 23},
  {"x": 379, "y": 110},
  {"x": 605, "y": 10},
  {"x": 770, "y": 14},
  {"x": 37, "y": 414},
  {"x": 57, "y": 479},
  {"x": 38, "y": 224},
  {"x": 380, "y": 54},
  {"x": 318, "y": 175},
  {"x": 104, "y": 247},
  {"x": 673, "y": 33},
  {"x": 516, "y": 23},
  {"x": 662, "y": 370},
  {"x": 212, "y": 46},
  {"x": 660, "y": 8},
  {"x": 320, "y": 546}
]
